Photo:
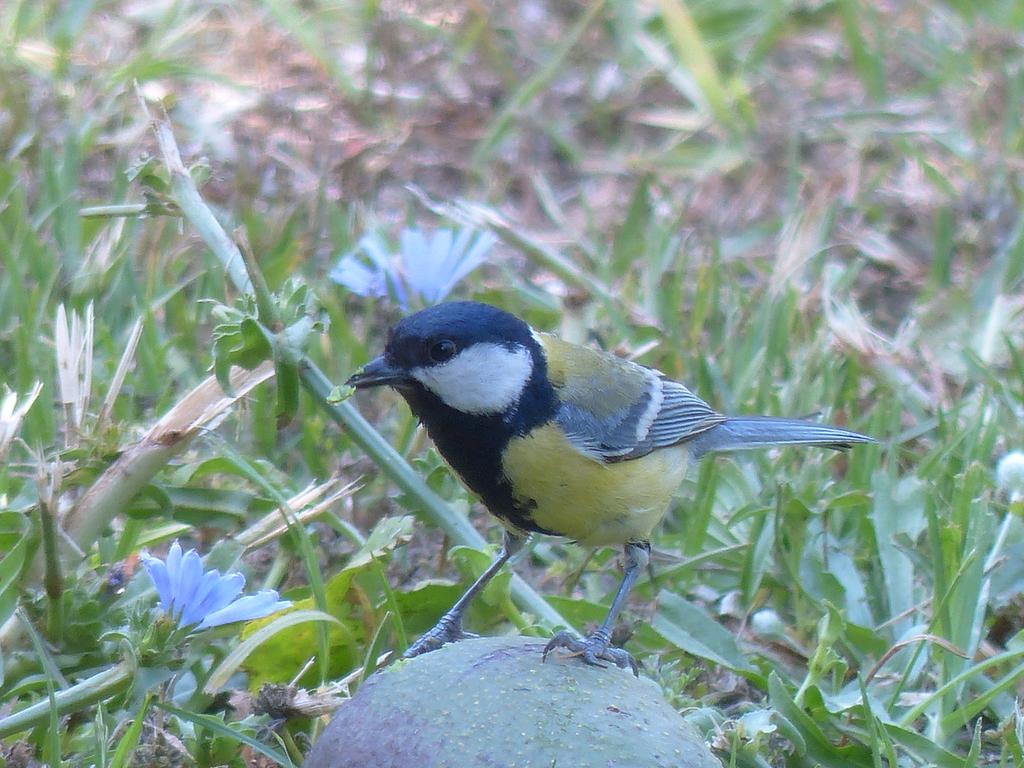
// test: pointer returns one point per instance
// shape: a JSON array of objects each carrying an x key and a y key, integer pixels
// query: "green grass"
[{"x": 794, "y": 208}]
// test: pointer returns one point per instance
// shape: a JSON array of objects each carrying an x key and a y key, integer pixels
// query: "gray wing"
[{"x": 666, "y": 414}]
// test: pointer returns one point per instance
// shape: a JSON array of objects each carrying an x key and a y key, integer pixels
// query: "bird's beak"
[{"x": 377, "y": 373}]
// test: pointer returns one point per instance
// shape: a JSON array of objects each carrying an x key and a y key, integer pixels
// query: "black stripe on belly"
[{"x": 473, "y": 445}]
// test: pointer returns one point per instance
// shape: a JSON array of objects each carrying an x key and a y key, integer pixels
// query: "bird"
[{"x": 561, "y": 440}]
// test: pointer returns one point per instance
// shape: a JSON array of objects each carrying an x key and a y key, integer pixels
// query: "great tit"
[{"x": 560, "y": 439}]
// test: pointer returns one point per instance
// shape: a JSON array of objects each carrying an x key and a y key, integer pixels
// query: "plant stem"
[
  {"x": 289, "y": 744},
  {"x": 53, "y": 579},
  {"x": 186, "y": 195},
  {"x": 112, "y": 211},
  {"x": 278, "y": 569},
  {"x": 103, "y": 685},
  {"x": 265, "y": 305}
]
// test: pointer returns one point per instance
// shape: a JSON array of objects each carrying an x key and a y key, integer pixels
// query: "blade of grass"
[
  {"x": 130, "y": 739},
  {"x": 696, "y": 57},
  {"x": 219, "y": 727},
  {"x": 867, "y": 63},
  {"x": 950, "y": 685},
  {"x": 306, "y": 31},
  {"x": 533, "y": 86},
  {"x": 51, "y": 747},
  {"x": 219, "y": 677},
  {"x": 393, "y": 611},
  {"x": 1007, "y": 684},
  {"x": 819, "y": 750}
]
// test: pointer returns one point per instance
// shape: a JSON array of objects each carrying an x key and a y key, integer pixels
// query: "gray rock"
[{"x": 492, "y": 703}]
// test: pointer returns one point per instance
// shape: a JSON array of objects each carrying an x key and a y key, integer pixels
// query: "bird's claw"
[
  {"x": 593, "y": 650},
  {"x": 447, "y": 630}
]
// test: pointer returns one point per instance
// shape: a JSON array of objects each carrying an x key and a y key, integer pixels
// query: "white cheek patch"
[{"x": 484, "y": 378}]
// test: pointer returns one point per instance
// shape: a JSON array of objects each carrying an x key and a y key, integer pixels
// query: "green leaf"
[
  {"x": 387, "y": 534},
  {"x": 631, "y": 239},
  {"x": 219, "y": 677},
  {"x": 425, "y": 603},
  {"x": 690, "y": 629},
  {"x": 130, "y": 738},
  {"x": 151, "y": 501},
  {"x": 222, "y": 368},
  {"x": 222, "y": 507},
  {"x": 150, "y": 171},
  {"x": 755, "y": 565},
  {"x": 340, "y": 394},
  {"x": 287, "y": 381},
  {"x": 472, "y": 563},
  {"x": 817, "y": 747},
  {"x": 228, "y": 730},
  {"x": 255, "y": 346},
  {"x": 17, "y": 527},
  {"x": 922, "y": 748},
  {"x": 278, "y": 658}
]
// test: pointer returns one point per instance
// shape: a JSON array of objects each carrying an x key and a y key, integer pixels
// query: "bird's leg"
[
  {"x": 449, "y": 628},
  {"x": 596, "y": 647}
]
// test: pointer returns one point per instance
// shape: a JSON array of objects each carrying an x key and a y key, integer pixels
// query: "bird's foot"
[
  {"x": 593, "y": 649},
  {"x": 447, "y": 630}
]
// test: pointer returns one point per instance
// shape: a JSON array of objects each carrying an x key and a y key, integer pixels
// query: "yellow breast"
[{"x": 583, "y": 499}]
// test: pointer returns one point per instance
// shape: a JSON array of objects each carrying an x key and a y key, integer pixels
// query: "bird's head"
[{"x": 473, "y": 357}]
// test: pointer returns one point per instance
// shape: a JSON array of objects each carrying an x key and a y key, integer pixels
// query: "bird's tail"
[{"x": 742, "y": 432}]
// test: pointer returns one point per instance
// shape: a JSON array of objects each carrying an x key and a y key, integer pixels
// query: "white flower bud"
[
  {"x": 768, "y": 623},
  {"x": 1010, "y": 475}
]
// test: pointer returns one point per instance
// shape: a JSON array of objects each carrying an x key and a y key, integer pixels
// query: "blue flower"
[
  {"x": 427, "y": 265},
  {"x": 376, "y": 275},
  {"x": 204, "y": 598}
]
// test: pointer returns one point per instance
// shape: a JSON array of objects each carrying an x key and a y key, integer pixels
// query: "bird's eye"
[{"x": 442, "y": 350}]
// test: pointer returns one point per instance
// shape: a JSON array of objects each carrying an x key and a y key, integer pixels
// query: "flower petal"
[
  {"x": 417, "y": 258},
  {"x": 434, "y": 264},
  {"x": 477, "y": 252},
  {"x": 356, "y": 276},
  {"x": 173, "y": 573},
  {"x": 421, "y": 264},
  {"x": 190, "y": 575},
  {"x": 468, "y": 256},
  {"x": 191, "y": 612},
  {"x": 200, "y": 599},
  {"x": 214, "y": 593},
  {"x": 373, "y": 245},
  {"x": 157, "y": 570},
  {"x": 380, "y": 277},
  {"x": 246, "y": 608}
]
